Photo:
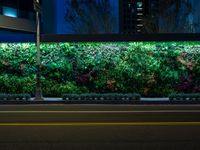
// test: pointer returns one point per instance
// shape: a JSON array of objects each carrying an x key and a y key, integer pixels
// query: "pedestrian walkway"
[{"x": 142, "y": 99}]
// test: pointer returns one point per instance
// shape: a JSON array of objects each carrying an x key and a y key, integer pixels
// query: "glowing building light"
[{"x": 10, "y": 12}]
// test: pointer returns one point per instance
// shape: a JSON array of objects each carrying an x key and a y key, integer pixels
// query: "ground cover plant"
[{"x": 152, "y": 69}]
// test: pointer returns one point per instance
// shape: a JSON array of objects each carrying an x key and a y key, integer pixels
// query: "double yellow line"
[{"x": 104, "y": 124}]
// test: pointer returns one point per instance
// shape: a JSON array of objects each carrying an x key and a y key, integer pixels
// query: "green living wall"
[{"x": 153, "y": 69}]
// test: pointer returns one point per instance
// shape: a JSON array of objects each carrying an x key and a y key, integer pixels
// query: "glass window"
[{"x": 10, "y": 12}]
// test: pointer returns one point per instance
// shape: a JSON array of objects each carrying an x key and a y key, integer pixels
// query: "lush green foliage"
[{"x": 148, "y": 68}]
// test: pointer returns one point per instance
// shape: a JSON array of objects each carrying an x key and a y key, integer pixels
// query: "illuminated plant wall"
[{"x": 149, "y": 68}]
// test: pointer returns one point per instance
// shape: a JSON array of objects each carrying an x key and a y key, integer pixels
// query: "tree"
[{"x": 90, "y": 16}]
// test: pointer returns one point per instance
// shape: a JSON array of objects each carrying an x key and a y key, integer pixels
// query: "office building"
[
  {"x": 17, "y": 15},
  {"x": 131, "y": 15}
]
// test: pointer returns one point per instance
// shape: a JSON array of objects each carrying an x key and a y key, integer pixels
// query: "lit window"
[
  {"x": 11, "y": 12},
  {"x": 139, "y": 4}
]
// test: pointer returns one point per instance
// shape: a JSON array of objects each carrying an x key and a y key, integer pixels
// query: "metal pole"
[{"x": 38, "y": 94}]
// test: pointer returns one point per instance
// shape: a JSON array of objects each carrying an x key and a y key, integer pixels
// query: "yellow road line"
[{"x": 103, "y": 124}]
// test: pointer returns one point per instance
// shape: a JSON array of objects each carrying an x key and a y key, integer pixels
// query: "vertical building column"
[{"x": 49, "y": 16}]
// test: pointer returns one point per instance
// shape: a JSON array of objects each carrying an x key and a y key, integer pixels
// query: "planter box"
[
  {"x": 15, "y": 97},
  {"x": 111, "y": 98},
  {"x": 185, "y": 97}
]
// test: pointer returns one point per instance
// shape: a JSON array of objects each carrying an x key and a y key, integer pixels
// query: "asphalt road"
[{"x": 100, "y": 127}]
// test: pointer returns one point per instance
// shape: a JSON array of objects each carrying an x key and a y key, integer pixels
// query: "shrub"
[{"x": 149, "y": 68}]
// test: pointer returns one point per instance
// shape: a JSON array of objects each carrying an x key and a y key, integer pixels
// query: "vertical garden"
[{"x": 152, "y": 69}]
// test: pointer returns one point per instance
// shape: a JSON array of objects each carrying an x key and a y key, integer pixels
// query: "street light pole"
[{"x": 38, "y": 94}]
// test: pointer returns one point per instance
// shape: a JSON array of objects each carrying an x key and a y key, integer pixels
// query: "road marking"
[
  {"x": 89, "y": 112},
  {"x": 104, "y": 124}
]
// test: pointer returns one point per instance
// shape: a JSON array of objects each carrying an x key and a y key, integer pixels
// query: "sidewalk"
[{"x": 142, "y": 99}]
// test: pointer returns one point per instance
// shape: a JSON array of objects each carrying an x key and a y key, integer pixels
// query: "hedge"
[{"x": 152, "y": 69}]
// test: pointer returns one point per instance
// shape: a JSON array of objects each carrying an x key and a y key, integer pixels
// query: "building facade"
[
  {"x": 132, "y": 16},
  {"x": 131, "y": 13},
  {"x": 17, "y": 8},
  {"x": 17, "y": 15}
]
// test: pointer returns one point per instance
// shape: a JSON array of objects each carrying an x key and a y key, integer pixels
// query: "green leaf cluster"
[{"x": 148, "y": 68}]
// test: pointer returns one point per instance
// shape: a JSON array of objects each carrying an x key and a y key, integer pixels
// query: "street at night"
[
  {"x": 99, "y": 75},
  {"x": 117, "y": 127}
]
